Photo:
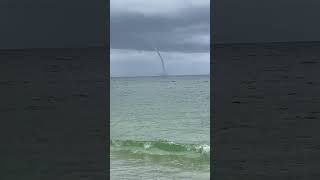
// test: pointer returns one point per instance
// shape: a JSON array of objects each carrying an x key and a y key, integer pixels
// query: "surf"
[{"x": 163, "y": 152}]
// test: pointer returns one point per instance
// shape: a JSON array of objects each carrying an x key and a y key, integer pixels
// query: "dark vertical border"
[
  {"x": 107, "y": 42},
  {"x": 54, "y": 109},
  {"x": 212, "y": 75},
  {"x": 263, "y": 125}
]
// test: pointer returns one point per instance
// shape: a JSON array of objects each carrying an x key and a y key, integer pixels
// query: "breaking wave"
[{"x": 163, "y": 152}]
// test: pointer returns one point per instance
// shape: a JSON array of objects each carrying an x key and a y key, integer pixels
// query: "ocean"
[{"x": 160, "y": 128}]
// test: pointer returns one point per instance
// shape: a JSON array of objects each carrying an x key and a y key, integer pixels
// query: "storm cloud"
[{"x": 178, "y": 28}]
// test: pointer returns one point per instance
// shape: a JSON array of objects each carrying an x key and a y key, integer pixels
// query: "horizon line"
[{"x": 126, "y": 76}]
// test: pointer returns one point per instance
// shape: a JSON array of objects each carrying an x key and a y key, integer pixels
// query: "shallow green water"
[{"x": 160, "y": 127}]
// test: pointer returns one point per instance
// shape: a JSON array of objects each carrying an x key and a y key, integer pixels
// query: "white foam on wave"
[
  {"x": 147, "y": 145},
  {"x": 204, "y": 148}
]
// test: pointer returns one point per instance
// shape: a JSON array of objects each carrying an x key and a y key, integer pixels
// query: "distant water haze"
[{"x": 147, "y": 63}]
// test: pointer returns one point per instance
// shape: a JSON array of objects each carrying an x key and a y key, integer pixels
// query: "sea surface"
[{"x": 160, "y": 128}]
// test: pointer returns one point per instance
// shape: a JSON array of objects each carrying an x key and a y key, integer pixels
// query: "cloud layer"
[
  {"x": 156, "y": 8},
  {"x": 178, "y": 28}
]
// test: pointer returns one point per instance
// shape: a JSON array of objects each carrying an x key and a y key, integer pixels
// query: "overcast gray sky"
[{"x": 180, "y": 29}]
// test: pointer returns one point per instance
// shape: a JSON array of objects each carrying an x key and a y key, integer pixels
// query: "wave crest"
[
  {"x": 162, "y": 145},
  {"x": 163, "y": 152}
]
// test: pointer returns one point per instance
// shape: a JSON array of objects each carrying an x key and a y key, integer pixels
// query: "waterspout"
[{"x": 164, "y": 72}]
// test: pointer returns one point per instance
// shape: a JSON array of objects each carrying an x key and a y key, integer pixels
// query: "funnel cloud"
[{"x": 164, "y": 72}]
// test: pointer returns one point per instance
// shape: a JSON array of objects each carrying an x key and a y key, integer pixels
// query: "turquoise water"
[{"x": 160, "y": 127}]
